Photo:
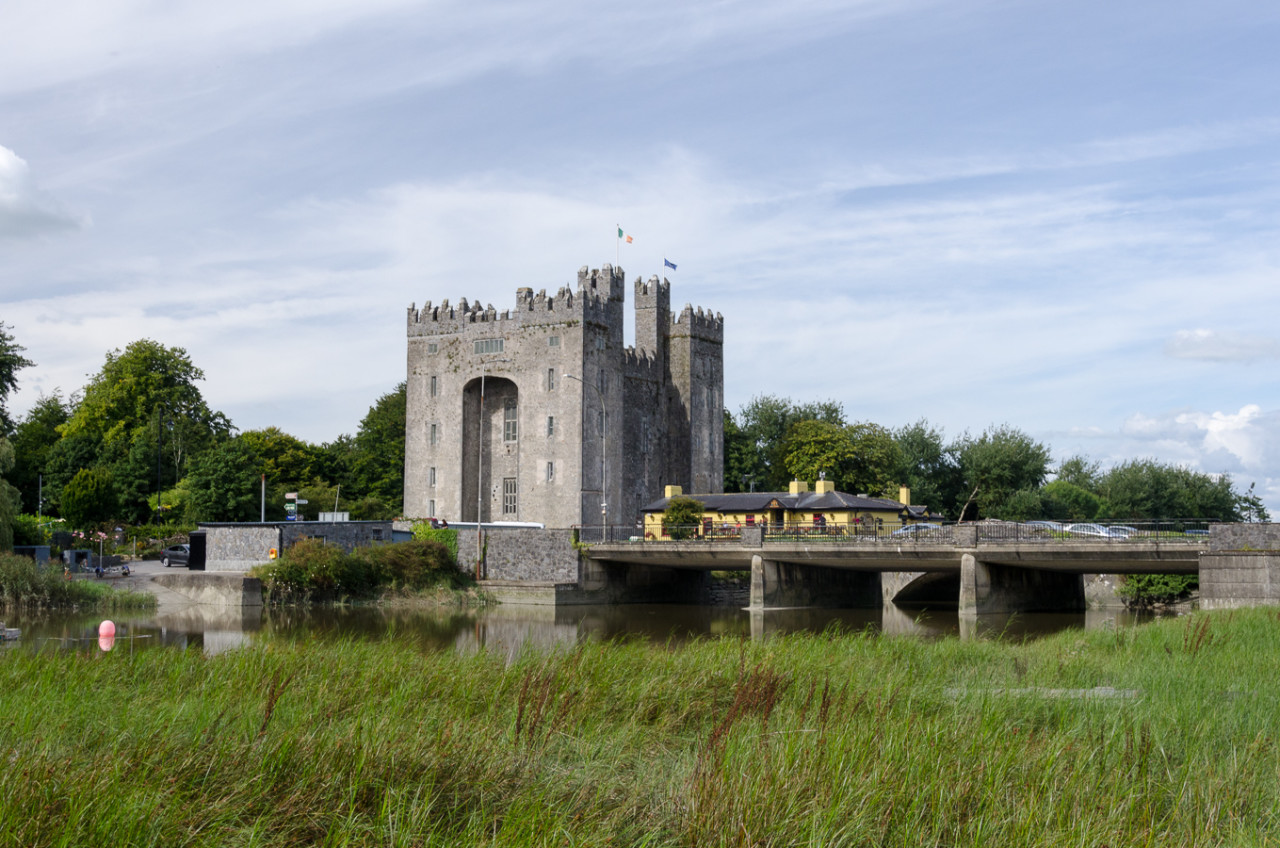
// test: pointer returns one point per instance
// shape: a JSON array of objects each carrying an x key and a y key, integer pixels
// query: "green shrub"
[
  {"x": 27, "y": 531},
  {"x": 1142, "y": 590},
  {"x": 313, "y": 571},
  {"x": 445, "y": 536},
  {"x": 682, "y": 518}
]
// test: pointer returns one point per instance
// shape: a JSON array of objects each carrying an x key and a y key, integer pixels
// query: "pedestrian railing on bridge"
[{"x": 1183, "y": 531}]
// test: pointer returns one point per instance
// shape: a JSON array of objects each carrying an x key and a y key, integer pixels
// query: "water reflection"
[{"x": 510, "y": 629}]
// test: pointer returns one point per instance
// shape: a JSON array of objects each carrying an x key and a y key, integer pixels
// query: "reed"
[
  {"x": 25, "y": 585},
  {"x": 1163, "y": 734}
]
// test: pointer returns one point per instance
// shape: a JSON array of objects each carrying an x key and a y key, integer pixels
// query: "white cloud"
[
  {"x": 25, "y": 210},
  {"x": 1215, "y": 346}
]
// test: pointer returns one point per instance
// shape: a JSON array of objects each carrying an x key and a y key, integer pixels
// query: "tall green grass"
[
  {"x": 23, "y": 584},
  {"x": 1163, "y": 735}
]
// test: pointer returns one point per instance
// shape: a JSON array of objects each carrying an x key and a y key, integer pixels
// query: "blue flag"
[{"x": 669, "y": 264}]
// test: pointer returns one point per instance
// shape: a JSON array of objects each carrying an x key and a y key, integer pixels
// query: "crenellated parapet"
[
  {"x": 695, "y": 323},
  {"x": 641, "y": 364}
]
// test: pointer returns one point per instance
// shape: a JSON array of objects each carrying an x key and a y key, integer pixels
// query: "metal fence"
[{"x": 1185, "y": 531}]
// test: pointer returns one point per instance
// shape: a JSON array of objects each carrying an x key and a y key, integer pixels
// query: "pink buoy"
[
  {"x": 107, "y": 628},
  {"x": 106, "y": 643}
]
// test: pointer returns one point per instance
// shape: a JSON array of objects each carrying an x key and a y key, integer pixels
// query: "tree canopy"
[{"x": 11, "y": 362}]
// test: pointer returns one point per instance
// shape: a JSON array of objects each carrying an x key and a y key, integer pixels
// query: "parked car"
[
  {"x": 918, "y": 531},
  {"x": 1098, "y": 530},
  {"x": 175, "y": 555}
]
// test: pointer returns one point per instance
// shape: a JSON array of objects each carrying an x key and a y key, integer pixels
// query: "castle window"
[
  {"x": 432, "y": 347},
  {"x": 431, "y": 476},
  {"x": 509, "y": 430},
  {"x": 551, "y": 379},
  {"x": 600, "y": 342},
  {"x": 551, "y": 425},
  {"x": 431, "y": 509},
  {"x": 553, "y": 341},
  {"x": 508, "y": 496},
  {"x": 644, "y": 434},
  {"x": 434, "y": 386},
  {"x": 600, "y": 422},
  {"x": 435, "y": 435},
  {"x": 551, "y": 471},
  {"x": 602, "y": 379},
  {"x": 489, "y": 346}
]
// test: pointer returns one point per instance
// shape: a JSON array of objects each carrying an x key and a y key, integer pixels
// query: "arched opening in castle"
[{"x": 539, "y": 445}]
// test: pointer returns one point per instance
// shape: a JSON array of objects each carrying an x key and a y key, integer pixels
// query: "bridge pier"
[
  {"x": 785, "y": 584},
  {"x": 987, "y": 588}
]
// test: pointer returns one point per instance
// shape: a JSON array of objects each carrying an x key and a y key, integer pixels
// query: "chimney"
[
  {"x": 823, "y": 487},
  {"x": 904, "y": 495},
  {"x": 672, "y": 491},
  {"x": 799, "y": 487}
]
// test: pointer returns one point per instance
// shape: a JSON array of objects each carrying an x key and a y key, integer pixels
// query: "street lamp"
[
  {"x": 480, "y": 464},
  {"x": 604, "y": 467}
]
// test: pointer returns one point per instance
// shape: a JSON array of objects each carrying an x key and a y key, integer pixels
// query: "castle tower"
[{"x": 535, "y": 445}]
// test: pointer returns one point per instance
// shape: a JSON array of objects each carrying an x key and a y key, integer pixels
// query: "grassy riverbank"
[
  {"x": 24, "y": 585},
  {"x": 796, "y": 740}
]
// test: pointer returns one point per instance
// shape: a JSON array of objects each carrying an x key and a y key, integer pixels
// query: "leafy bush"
[
  {"x": 683, "y": 517},
  {"x": 1142, "y": 590},
  {"x": 27, "y": 531},
  {"x": 311, "y": 570},
  {"x": 445, "y": 536}
]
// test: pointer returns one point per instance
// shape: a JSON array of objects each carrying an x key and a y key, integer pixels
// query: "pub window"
[
  {"x": 509, "y": 431},
  {"x": 488, "y": 345},
  {"x": 508, "y": 496}
]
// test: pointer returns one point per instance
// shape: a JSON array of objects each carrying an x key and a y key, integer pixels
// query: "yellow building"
[{"x": 797, "y": 511}]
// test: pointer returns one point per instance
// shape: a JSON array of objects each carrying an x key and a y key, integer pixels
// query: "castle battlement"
[{"x": 698, "y": 324}]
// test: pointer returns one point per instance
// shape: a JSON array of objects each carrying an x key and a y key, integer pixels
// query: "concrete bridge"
[{"x": 978, "y": 568}]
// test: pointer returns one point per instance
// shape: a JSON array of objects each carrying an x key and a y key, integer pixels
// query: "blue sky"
[{"x": 1062, "y": 217}]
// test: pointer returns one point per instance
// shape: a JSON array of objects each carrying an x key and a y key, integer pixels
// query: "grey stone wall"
[
  {"x": 522, "y": 553},
  {"x": 1244, "y": 537},
  {"x": 1230, "y": 579},
  {"x": 239, "y": 547}
]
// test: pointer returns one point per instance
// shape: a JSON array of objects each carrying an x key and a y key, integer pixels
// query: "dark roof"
[{"x": 761, "y": 501}]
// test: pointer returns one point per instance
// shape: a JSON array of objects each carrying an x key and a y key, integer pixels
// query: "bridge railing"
[{"x": 1186, "y": 531}]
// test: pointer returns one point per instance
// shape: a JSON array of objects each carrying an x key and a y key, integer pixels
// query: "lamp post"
[
  {"x": 604, "y": 467},
  {"x": 159, "y": 439},
  {"x": 484, "y": 364}
]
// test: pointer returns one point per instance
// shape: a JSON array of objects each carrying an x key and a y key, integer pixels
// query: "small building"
[
  {"x": 799, "y": 511},
  {"x": 240, "y": 546}
]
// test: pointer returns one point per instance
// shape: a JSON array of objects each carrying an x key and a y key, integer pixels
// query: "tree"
[
  {"x": 1145, "y": 488},
  {"x": 379, "y": 461},
  {"x": 33, "y": 443},
  {"x": 927, "y": 466},
  {"x": 740, "y": 467},
  {"x": 11, "y": 362},
  {"x": 90, "y": 498},
  {"x": 145, "y": 401},
  {"x": 1066, "y": 501},
  {"x": 1079, "y": 471},
  {"x": 994, "y": 466},
  {"x": 683, "y": 517},
  {"x": 225, "y": 483},
  {"x": 860, "y": 457},
  {"x": 765, "y": 423},
  {"x": 10, "y": 501}
]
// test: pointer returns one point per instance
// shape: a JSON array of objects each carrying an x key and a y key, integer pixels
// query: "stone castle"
[{"x": 537, "y": 445}]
